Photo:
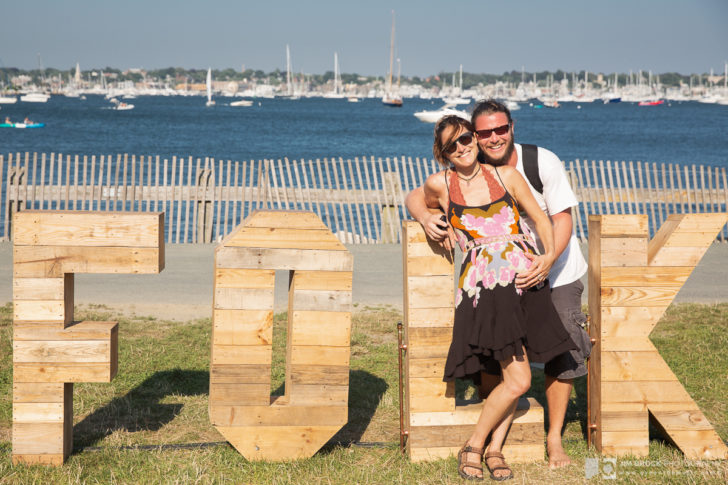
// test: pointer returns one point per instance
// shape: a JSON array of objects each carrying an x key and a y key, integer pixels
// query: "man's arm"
[{"x": 427, "y": 211}]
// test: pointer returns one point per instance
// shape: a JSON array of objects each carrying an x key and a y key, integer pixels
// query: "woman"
[{"x": 493, "y": 319}]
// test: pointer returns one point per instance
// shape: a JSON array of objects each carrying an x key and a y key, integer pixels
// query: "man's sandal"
[
  {"x": 470, "y": 464},
  {"x": 504, "y": 466}
]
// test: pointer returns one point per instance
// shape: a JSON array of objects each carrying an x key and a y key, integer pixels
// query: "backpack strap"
[{"x": 530, "y": 166}]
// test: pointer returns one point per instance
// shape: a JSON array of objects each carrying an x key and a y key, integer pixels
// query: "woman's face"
[{"x": 460, "y": 146}]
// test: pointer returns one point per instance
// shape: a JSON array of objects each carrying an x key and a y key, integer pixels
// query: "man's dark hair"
[{"x": 487, "y": 107}]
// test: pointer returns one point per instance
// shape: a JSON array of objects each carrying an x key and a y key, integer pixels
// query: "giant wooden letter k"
[{"x": 631, "y": 283}]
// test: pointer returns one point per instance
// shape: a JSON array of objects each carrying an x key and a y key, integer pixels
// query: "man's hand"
[{"x": 536, "y": 273}]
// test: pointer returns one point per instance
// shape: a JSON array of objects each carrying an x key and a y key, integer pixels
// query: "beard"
[{"x": 497, "y": 162}]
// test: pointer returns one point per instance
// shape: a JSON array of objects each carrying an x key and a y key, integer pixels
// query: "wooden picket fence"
[{"x": 360, "y": 200}]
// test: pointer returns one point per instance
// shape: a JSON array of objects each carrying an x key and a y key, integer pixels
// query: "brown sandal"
[
  {"x": 495, "y": 454},
  {"x": 469, "y": 464}
]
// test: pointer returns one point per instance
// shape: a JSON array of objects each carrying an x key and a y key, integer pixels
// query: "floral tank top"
[{"x": 492, "y": 237}]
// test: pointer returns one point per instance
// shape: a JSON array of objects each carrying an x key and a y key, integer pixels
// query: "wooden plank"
[
  {"x": 242, "y": 354},
  {"x": 317, "y": 394},
  {"x": 38, "y": 392},
  {"x": 635, "y": 366},
  {"x": 654, "y": 393},
  {"x": 429, "y": 394},
  {"x": 319, "y": 355},
  {"x": 700, "y": 444},
  {"x": 429, "y": 266},
  {"x": 430, "y": 291},
  {"x": 240, "y": 374},
  {"x": 456, "y": 435},
  {"x": 632, "y": 420},
  {"x": 78, "y": 331},
  {"x": 430, "y": 317},
  {"x": 313, "y": 327},
  {"x": 244, "y": 278},
  {"x": 61, "y": 351},
  {"x": 624, "y": 251},
  {"x": 662, "y": 276},
  {"x": 639, "y": 296},
  {"x": 626, "y": 343},
  {"x": 232, "y": 415},
  {"x": 517, "y": 453},
  {"x": 37, "y": 438},
  {"x": 37, "y": 412},
  {"x": 84, "y": 228},
  {"x": 433, "y": 367},
  {"x": 624, "y": 226},
  {"x": 242, "y": 327},
  {"x": 682, "y": 420},
  {"x": 275, "y": 443},
  {"x": 528, "y": 411},
  {"x": 331, "y": 375},
  {"x": 427, "y": 336},
  {"x": 629, "y": 321},
  {"x": 40, "y": 310},
  {"x": 620, "y": 443},
  {"x": 285, "y": 219},
  {"x": 237, "y": 394},
  {"x": 53, "y": 261},
  {"x": 323, "y": 280},
  {"x": 244, "y": 298},
  {"x": 321, "y": 300},
  {"x": 284, "y": 259},
  {"x": 52, "y": 372}
]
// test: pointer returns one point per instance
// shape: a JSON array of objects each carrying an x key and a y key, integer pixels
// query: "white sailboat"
[
  {"x": 390, "y": 98},
  {"x": 337, "y": 92},
  {"x": 208, "y": 83},
  {"x": 290, "y": 94}
]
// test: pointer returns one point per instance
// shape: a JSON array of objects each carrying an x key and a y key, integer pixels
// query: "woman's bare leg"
[{"x": 500, "y": 402}]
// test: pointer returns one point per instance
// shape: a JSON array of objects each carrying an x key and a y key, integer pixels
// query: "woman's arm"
[{"x": 517, "y": 186}]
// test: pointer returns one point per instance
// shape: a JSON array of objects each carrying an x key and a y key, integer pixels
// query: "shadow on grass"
[
  {"x": 365, "y": 393},
  {"x": 140, "y": 409}
]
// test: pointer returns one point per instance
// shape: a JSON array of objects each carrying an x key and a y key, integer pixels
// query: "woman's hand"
[
  {"x": 536, "y": 273},
  {"x": 437, "y": 229}
]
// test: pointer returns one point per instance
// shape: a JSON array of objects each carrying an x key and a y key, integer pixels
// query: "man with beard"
[{"x": 494, "y": 128}]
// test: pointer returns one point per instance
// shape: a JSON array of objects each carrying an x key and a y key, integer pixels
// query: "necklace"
[{"x": 468, "y": 179}]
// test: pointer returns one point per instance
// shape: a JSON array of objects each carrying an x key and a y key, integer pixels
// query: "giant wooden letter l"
[
  {"x": 50, "y": 350},
  {"x": 631, "y": 283}
]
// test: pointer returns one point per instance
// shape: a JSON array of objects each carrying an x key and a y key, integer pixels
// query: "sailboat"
[
  {"x": 208, "y": 83},
  {"x": 337, "y": 92},
  {"x": 390, "y": 98}
]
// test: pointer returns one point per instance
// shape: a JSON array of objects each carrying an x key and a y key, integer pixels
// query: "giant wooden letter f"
[{"x": 631, "y": 283}]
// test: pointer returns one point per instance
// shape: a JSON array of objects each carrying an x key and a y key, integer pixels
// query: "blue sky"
[{"x": 485, "y": 36}]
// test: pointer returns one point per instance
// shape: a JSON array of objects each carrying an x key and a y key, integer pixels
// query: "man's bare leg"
[{"x": 558, "y": 392}]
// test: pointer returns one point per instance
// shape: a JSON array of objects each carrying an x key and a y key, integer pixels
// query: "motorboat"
[
  {"x": 242, "y": 102},
  {"x": 651, "y": 103},
  {"x": 432, "y": 116},
  {"x": 22, "y": 125},
  {"x": 123, "y": 106},
  {"x": 35, "y": 97},
  {"x": 8, "y": 100}
]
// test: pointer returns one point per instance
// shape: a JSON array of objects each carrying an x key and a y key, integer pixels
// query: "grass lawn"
[{"x": 150, "y": 424}]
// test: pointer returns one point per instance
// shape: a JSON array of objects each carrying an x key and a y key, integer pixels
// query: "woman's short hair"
[{"x": 438, "y": 146}]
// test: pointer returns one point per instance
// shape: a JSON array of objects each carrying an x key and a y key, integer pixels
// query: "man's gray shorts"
[
  {"x": 567, "y": 301},
  {"x": 572, "y": 364}
]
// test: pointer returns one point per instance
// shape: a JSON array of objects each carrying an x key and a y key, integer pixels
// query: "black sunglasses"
[
  {"x": 465, "y": 139},
  {"x": 498, "y": 130}
]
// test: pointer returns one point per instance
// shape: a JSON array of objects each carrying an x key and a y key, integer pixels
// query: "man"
[{"x": 494, "y": 127}]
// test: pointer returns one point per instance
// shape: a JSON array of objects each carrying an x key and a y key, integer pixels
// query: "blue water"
[{"x": 684, "y": 133}]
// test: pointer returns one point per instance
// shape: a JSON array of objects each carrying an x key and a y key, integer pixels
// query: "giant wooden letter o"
[{"x": 315, "y": 404}]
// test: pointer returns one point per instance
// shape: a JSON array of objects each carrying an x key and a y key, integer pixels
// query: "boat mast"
[
  {"x": 289, "y": 88},
  {"x": 391, "y": 57}
]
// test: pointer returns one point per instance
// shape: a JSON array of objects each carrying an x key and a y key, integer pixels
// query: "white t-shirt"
[{"x": 557, "y": 196}]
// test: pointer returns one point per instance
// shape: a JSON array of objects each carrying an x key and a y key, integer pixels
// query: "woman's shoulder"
[{"x": 437, "y": 180}]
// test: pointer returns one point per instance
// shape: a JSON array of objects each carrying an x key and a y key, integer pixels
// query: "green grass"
[{"x": 159, "y": 399}]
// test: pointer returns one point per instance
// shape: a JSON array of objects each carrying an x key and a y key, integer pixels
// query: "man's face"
[{"x": 496, "y": 149}]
